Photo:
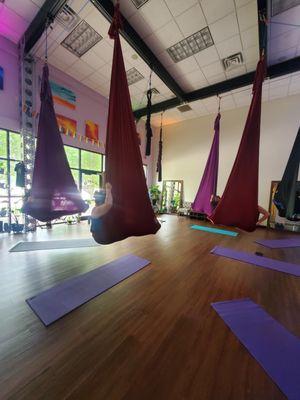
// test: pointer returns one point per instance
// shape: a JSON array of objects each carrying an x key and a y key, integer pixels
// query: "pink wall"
[
  {"x": 89, "y": 105},
  {"x": 9, "y": 97}
]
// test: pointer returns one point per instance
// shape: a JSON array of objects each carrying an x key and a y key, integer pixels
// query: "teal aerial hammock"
[{"x": 287, "y": 196}]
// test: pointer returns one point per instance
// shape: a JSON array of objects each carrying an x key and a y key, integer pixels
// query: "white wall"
[{"x": 187, "y": 144}]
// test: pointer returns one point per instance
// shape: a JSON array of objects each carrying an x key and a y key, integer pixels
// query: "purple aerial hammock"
[
  {"x": 54, "y": 192},
  {"x": 208, "y": 185}
]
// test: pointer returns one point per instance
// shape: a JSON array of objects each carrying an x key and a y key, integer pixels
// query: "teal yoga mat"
[{"x": 214, "y": 230}]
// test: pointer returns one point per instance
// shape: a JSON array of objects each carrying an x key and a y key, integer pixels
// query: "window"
[
  {"x": 11, "y": 196},
  {"x": 86, "y": 167}
]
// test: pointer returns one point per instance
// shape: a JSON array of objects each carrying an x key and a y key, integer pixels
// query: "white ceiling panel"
[
  {"x": 247, "y": 15},
  {"x": 230, "y": 46},
  {"x": 156, "y": 13},
  {"x": 224, "y": 28},
  {"x": 216, "y": 9},
  {"x": 177, "y": 7},
  {"x": 191, "y": 21},
  {"x": 207, "y": 56}
]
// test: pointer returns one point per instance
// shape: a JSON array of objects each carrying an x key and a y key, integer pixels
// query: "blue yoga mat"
[
  {"x": 259, "y": 261},
  {"x": 59, "y": 300},
  {"x": 214, "y": 230},
  {"x": 273, "y": 346}
]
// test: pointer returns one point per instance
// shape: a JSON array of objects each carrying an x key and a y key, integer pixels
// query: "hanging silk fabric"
[
  {"x": 287, "y": 193},
  {"x": 54, "y": 193},
  {"x": 159, "y": 158},
  {"x": 208, "y": 184},
  {"x": 239, "y": 203},
  {"x": 131, "y": 213}
]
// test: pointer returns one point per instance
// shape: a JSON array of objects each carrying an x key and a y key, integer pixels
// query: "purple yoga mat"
[
  {"x": 273, "y": 347},
  {"x": 259, "y": 261},
  {"x": 59, "y": 300},
  {"x": 280, "y": 243}
]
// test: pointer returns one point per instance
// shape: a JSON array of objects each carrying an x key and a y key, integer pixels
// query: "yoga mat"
[
  {"x": 280, "y": 243},
  {"x": 65, "y": 297},
  {"x": 53, "y": 245},
  {"x": 259, "y": 261},
  {"x": 273, "y": 346},
  {"x": 214, "y": 230}
]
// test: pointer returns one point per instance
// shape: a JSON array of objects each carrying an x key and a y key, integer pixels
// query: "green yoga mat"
[{"x": 214, "y": 230}]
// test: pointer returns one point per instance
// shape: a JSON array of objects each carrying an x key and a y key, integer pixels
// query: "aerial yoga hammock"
[
  {"x": 287, "y": 196},
  {"x": 239, "y": 203},
  {"x": 208, "y": 185},
  {"x": 54, "y": 192},
  {"x": 131, "y": 213}
]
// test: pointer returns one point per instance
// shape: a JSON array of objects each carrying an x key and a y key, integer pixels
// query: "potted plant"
[{"x": 154, "y": 194}]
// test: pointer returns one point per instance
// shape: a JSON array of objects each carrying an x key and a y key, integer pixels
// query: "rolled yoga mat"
[
  {"x": 272, "y": 345},
  {"x": 280, "y": 243},
  {"x": 259, "y": 261},
  {"x": 68, "y": 295},
  {"x": 214, "y": 230},
  {"x": 53, "y": 245}
]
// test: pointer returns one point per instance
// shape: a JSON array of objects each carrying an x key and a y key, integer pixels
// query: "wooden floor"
[{"x": 153, "y": 336}]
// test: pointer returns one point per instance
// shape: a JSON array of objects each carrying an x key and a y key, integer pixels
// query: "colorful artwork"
[
  {"x": 66, "y": 125},
  {"x": 92, "y": 130},
  {"x": 1, "y": 78},
  {"x": 63, "y": 96}
]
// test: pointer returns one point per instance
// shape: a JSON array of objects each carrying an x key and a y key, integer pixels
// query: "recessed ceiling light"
[
  {"x": 81, "y": 39},
  {"x": 191, "y": 45},
  {"x": 139, "y": 3},
  {"x": 184, "y": 108},
  {"x": 133, "y": 76},
  {"x": 67, "y": 17},
  {"x": 233, "y": 61}
]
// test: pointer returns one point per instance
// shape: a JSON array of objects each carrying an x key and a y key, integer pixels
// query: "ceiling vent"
[
  {"x": 133, "y": 76},
  {"x": 231, "y": 62},
  {"x": 153, "y": 90},
  {"x": 139, "y": 3},
  {"x": 67, "y": 18},
  {"x": 191, "y": 45},
  {"x": 81, "y": 39},
  {"x": 280, "y": 6},
  {"x": 184, "y": 108}
]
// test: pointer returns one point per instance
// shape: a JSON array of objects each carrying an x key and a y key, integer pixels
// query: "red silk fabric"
[
  {"x": 131, "y": 213},
  {"x": 239, "y": 203}
]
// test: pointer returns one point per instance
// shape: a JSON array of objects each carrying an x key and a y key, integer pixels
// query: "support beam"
[
  {"x": 106, "y": 8},
  {"x": 274, "y": 71},
  {"x": 35, "y": 30}
]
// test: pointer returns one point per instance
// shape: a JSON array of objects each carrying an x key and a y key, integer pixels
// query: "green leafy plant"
[{"x": 154, "y": 193}]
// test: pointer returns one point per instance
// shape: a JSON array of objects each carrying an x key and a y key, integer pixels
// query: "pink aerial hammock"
[
  {"x": 131, "y": 213},
  {"x": 54, "y": 192},
  {"x": 239, "y": 203},
  {"x": 208, "y": 184}
]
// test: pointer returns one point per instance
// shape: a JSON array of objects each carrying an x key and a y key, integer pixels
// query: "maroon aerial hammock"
[
  {"x": 54, "y": 192},
  {"x": 131, "y": 213},
  {"x": 208, "y": 184},
  {"x": 239, "y": 203}
]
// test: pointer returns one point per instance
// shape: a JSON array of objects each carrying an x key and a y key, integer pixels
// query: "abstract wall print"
[
  {"x": 63, "y": 96},
  {"x": 1, "y": 78},
  {"x": 92, "y": 130},
  {"x": 66, "y": 125}
]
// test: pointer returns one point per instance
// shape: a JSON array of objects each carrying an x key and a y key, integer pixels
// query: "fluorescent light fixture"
[
  {"x": 133, "y": 76},
  {"x": 191, "y": 45},
  {"x": 81, "y": 39}
]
